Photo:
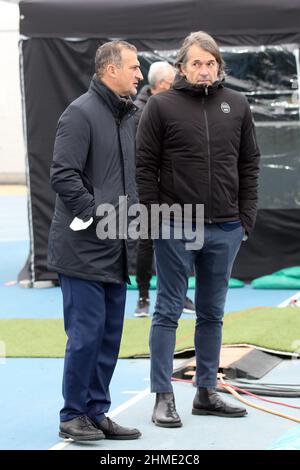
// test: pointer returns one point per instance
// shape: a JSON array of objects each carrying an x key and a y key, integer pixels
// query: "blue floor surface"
[
  {"x": 14, "y": 219},
  {"x": 31, "y": 398}
]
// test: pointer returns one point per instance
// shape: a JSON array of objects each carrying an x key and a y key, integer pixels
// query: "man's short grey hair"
[
  {"x": 158, "y": 71},
  {"x": 110, "y": 53},
  {"x": 206, "y": 42}
]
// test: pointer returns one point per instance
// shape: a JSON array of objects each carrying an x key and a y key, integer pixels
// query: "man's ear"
[
  {"x": 181, "y": 70},
  {"x": 111, "y": 71}
]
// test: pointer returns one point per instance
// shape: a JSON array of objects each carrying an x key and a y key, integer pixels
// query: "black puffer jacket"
[
  {"x": 93, "y": 163},
  {"x": 201, "y": 143}
]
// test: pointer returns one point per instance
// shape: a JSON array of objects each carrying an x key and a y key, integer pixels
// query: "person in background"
[
  {"x": 160, "y": 77},
  {"x": 93, "y": 164},
  {"x": 200, "y": 138}
]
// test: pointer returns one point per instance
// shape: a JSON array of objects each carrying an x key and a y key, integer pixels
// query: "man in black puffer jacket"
[
  {"x": 94, "y": 164},
  {"x": 199, "y": 138}
]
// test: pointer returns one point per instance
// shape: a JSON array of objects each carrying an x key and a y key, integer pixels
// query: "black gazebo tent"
[{"x": 57, "y": 48}]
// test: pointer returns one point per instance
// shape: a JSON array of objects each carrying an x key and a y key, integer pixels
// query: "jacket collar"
[
  {"x": 120, "y": 106},
  {"x": 180, "y": 83}
]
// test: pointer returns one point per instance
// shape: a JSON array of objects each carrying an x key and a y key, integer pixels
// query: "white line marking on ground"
[
  {"x": 61, "y": 445},
  {"x": 286, "y": 302},
  {"x": 129, "y": 403},
  {"x": 112, "y": 414}
]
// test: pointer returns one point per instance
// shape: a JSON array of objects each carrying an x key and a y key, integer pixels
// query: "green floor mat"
[
  {"x": 133, "y": 286},
  {"x": 287, "y": 278},
  {"x": 46, "y": 337},
  {"x": 271, "y": 328},
  {"x": 276, "y": 282}
]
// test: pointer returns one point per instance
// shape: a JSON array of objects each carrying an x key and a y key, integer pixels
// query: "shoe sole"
[
  {"x": 167, "y": 425},
  {"x": 141, "y": 315},
  {"x": 196, "y": 411},
  {"x": 94, "y": 437},
  {"x": 124, "y": 437}
]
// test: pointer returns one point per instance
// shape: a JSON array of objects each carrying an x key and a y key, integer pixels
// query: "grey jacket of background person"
[
  {"x": 141, "y": 101},
  {"x": 93, "y": 163}
]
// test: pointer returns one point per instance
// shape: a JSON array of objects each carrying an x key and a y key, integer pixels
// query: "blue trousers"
[
  {"x": 93, "y": 319},
  {"x": 212, "y": 265}
]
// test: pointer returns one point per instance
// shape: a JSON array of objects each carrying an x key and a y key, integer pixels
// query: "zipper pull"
[{"x": 206, "y": 90}]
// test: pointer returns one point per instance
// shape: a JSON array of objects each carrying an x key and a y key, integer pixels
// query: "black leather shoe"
[
  {"x": 208, "y": 402},
  {"x": 164, "y": 413},
  {"x": 112, "y": 430},
  {"x": 80, "y": 429}
]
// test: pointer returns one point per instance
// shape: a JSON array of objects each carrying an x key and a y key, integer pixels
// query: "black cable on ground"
[{"x": 266, "y": 391}]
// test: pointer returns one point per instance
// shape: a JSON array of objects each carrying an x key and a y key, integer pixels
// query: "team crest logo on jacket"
[{"x": 225, "y": 107}]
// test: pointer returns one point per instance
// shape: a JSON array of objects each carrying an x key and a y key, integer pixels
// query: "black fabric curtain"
[
  {"x": 273, "y": 245},
  {"x": 232, "y": 22}
]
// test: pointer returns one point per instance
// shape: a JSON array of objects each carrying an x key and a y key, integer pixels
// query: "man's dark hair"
[
  {"x": 206, "y": 42},
  {"x": 110, "y": 53}
]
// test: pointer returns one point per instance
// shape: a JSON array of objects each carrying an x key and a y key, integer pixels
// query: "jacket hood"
[
  {"x": 180, "y": 83},
  {"x": 120, "y": 106}
]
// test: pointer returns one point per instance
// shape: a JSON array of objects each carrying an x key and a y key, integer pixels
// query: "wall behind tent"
[{"x": 57, "y": 71}]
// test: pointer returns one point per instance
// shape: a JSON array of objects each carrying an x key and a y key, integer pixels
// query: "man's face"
[
  {"x": 201, "y": 67},
  {"x": 166, "y": 83},
  {"x": 129, "y": 74}
]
